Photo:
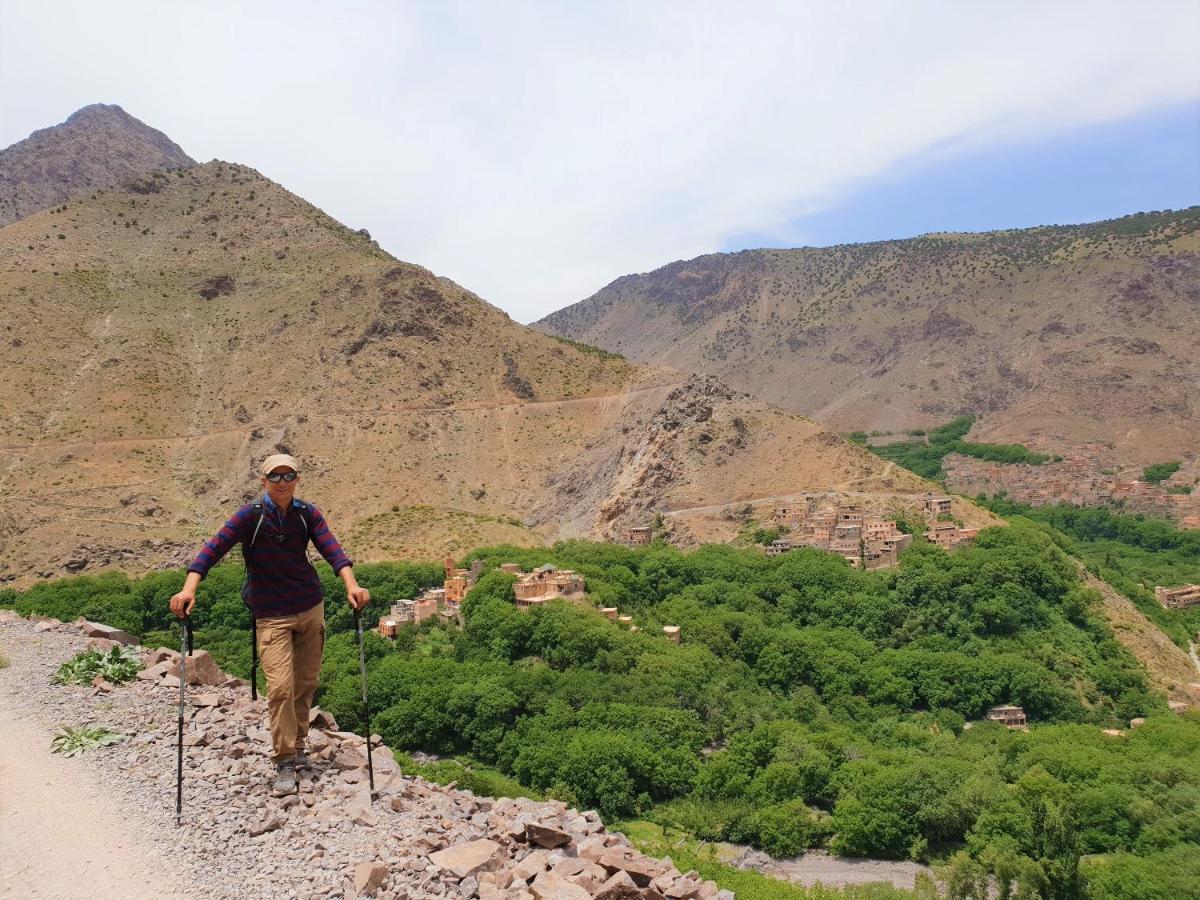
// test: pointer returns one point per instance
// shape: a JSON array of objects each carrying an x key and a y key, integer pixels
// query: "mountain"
[
  {"x": 96, "y": 147},
  {"x": 1058, "y": 335},
  {"x": 158, "y": 341}
]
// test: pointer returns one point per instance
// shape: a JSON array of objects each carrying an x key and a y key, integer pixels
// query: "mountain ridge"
[
  {"x": 162, "y": 337},
  {"x": 855, "y": 335}
]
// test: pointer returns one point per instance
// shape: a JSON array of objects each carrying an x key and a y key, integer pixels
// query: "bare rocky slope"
[
  {"x": 157, "y": 342},
  {"x": 1064, "y": 334},
  {"x": 96, "y": 147}
]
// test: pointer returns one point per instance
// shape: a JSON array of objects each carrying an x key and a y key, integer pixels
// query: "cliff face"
[
  {"x": 98, "y": 146},
  {"x": 1062, "y": 335}
]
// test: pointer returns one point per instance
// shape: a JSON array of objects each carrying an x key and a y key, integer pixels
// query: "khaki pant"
[{"x": 289, "y": 648}]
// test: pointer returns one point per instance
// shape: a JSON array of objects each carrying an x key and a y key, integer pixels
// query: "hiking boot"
[{"x": 285, "y": 778}]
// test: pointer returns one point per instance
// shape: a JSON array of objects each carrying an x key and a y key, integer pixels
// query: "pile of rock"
[{"x": 333, "y": 837}]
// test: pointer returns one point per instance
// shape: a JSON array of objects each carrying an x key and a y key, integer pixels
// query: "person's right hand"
[{"x": 182, "y": 603}]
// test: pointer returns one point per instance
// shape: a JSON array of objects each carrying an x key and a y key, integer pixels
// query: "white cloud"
[{"x": 535, "y": 151}]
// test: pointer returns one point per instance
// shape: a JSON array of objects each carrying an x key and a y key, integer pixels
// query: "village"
[
  {"x": 530, "y": 590},
  {"x": 1082, "y": 478},
  {"x": 862, "y": 539}
]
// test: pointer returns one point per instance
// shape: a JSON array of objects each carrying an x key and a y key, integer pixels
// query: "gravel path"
[{"x": 63, "y": 833}]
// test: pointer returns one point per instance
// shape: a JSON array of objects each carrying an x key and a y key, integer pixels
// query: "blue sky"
[
  {"x": 1144, "y": 162},
  {"x": 535, "y": 150}
]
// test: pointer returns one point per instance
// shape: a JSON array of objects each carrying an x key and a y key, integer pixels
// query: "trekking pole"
[
  {"x": 362, "y": 667},
  {"x": 185, "y": 650},
  {"x": 253, "y": 657}
]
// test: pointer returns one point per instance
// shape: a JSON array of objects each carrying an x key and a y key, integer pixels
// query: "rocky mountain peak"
[{"x": 98, "y": 146}]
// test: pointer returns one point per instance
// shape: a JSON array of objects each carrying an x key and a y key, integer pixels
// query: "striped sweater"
[{"x": 282, "y": 581}]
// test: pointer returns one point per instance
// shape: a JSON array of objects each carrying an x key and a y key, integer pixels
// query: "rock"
[
  {"x": 43, "y": 626},
  {"x": 9, "y": 617},
  {"x": 552, "y": 886},
  {"x": 349, "y": 759},
  {"x": 1135, "y": 723},
  {"x": 469, "y": 858},
  {"x": 318, "y": 718},
  {"x": 533, "y": 864},
  {"x": 155, "y": 672},
  {"x": 546, "y": 835},
  {"x": 101, "y": 685},
  {"x": 97, "y": 630},
  {"x": 641, "y": 869},
  {"x": 161, "y": 655},
  {"x": 201, "y": 669},
  {"x": 591, "y": 847},
  {"x": 369, "y": 876},
  {"x": 619, "y": 887},
  {"x": 684, "y": 889},
  {"x": 207, "y": 699},
  {"x": 271, "y": 823},
  {"x": 102, "y": 644}
]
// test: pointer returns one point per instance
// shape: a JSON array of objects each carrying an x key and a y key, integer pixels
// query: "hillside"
[
  {"x": 158, "y": 341},
  {"x": 1055, "y": 336},
  {"x": 96, "y": 147}
]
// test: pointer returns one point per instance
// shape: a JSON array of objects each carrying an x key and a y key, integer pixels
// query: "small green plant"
[
  {"x": 118, "y": 665},
  {"x": 70, "y": 741}
]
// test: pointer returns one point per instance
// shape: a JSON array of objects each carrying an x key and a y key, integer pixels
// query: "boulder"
[
  {"x": 318, "y": 718},
  {"x": 350, "y": 759},
  {"x": 104, "y": 645},
  {"x": 619, "y": 887},
  {"x": 640, "y": 868},
  {"x": 9, "y": 617},
  {"x": 533, "y": 864},
  {"x": 469, "y": 858},
  {"x": 156, "y": 671},
  {"x": 552, "y": 886},
  {"x": 162, "y": 654},
  {"x": 201, "y": 669},
  {"x": 546, "y": 835},
  {"x": 369, "y": 876},
  {"x": 98, "y": 630}
]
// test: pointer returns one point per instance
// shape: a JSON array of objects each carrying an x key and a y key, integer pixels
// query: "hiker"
[{"x": 285, "y": 598}]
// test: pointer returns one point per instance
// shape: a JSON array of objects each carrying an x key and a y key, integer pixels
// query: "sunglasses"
[{"x": 276, "y": 477}]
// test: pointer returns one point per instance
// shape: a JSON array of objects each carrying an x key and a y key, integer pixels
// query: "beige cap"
[{"x": 277, "y": 460}]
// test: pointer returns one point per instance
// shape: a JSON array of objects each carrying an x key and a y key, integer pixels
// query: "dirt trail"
[{"x": 61, "y": 834}]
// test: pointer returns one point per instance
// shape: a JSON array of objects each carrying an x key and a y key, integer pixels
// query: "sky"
[{"x": 535, "y": 151}]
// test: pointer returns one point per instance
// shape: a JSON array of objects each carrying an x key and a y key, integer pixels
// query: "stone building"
[
  {"x": 637, "y": 536},
  {"x": 1178, "y": 597},
  {"x": 1009, "y": 716},
  {"x": 547, "y": 583},
  {"x": 937, "y": 505},
  {"x": 948, "y": 536}
]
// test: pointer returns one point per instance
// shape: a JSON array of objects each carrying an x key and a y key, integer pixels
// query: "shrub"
[{"x": 118, "y": 665}]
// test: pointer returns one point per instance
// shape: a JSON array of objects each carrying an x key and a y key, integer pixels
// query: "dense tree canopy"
[{"x": 809, "y": 703}]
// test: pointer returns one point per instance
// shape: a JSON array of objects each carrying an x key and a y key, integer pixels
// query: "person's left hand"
[{"x": 358, "y": 597}]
